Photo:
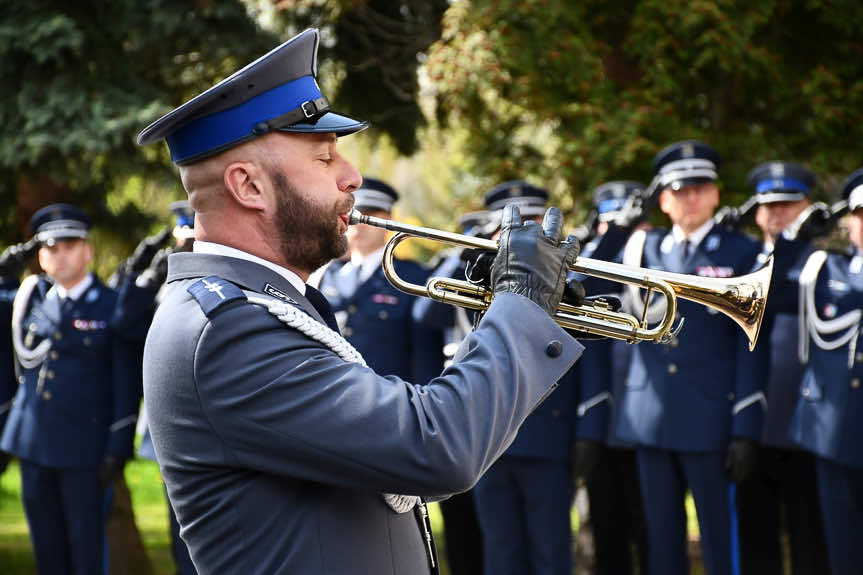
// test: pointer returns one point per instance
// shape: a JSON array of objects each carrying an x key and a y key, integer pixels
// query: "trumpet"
[{"x": 741, "y": 298}]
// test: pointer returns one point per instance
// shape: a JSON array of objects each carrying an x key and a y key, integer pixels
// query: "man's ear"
[
  {"x": 665, "y": 199},
  {"x": 245, "y": 184}
]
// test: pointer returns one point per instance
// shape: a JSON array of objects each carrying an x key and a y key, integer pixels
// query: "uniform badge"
[
  {"x": 712, "y": 242},
  {"x": 777, "y": 170},
  {"x": 277, "y": 293},
  {"x": 714, "y": 271},
  {"x": 92, "y": 295},
  {"x": 830, "y": 310},
  {"x": 837, "y": 286},
  {"x": 89, "y": 325},
  {"x": 687, "y": 150},
  {"x": 385, "y": 298}
]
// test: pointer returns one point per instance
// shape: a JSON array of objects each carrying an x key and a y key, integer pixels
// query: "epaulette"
[{"x": 212, "y": 292}]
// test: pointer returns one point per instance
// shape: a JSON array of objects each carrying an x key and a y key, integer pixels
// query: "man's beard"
[{"x": 309, "y": 234}]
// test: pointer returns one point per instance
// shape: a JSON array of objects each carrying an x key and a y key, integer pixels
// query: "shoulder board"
[{"x": 213, "y": 292}]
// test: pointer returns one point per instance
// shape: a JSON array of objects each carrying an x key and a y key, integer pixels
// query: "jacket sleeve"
[
  {"x": 594, "y": 398},
  {"x": 126, "y": 384},
  {"x": 8, "y": 383},
  {"x": 283, "y": 404}
]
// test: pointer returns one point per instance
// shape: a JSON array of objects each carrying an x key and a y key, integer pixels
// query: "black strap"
[
  {"x": 308, "y": 112},
  {"x": 320, "y": 303}
]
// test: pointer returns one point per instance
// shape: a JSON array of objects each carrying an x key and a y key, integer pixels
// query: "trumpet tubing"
[{"x": 741, "y": 298}]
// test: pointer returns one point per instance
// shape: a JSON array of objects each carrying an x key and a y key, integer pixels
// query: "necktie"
[{"x": 320, "y": 303}]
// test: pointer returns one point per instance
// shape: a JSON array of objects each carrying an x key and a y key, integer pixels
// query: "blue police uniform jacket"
[
  {"x": 682, "y": 395},
  {"x": 79, "y": 403},
  {"x": 8, "y": 287},
  {"x": 776, "y": 359},
  {"x": 380, "y": 324},
  {"x": 275, "y": 451},
  {"x": 828, "y": 419}
]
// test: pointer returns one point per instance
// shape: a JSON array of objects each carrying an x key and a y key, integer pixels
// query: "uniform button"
[
  {"x": 347, "y": 332},
  {"x": 855, "y": 383},
  {"x": 53, "y": 355},
  {"x": 731, "y": 397},
  {"x": 674, "y": 342},
  {"x": 555, "y": 413},
  {"x": 58, "y": 335},
  {"x": 32, "y": 327},
  {"x": 352, "y": 309},
  {"x": 805, "y": 392},
  {"x": 46, "y": 395},
  {"x": 49, "y": 374},
  {"x": 88, "y": 341},
  {"x": 672, "y": 368},
  {"x": 554, "y": 348},
  {"x": 22, "y": 380},
  {"x": 859, "y": 357},
  {"x": 383, "y": 314}
]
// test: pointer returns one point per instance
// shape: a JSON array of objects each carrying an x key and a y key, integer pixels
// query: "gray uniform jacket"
[{"x": 275, "y": 451}]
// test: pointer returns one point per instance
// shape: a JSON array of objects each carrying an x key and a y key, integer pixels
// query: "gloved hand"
[
  {"x": 740, "y": 459},
  {"x": 154, "y": 276},
  {"x": 584, "y": 456},
  {"x": 15, "y": 257},
  {"x": 110, "y": 469},
  {"x": 478, "y": 268},
  {"x": 815, "y": 221},
  {"x": 5, "y": 458},
  {"x": 735, "y": 217},
  {"x": 146, "y": 249},
  {"x": 531, "y": 260}
]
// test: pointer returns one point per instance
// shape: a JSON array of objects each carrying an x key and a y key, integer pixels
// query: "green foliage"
[
  {"x": 576, "y": 93},
  {"x": 86, "y": 77}
]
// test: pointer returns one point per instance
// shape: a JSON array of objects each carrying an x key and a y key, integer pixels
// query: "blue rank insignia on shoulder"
[{"x": 213, "y": 292}]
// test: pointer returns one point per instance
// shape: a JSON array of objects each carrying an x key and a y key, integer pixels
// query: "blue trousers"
[
  {"x": 523, "y": 510},
  {"x": 665, "y": 477},
  {"x": 64, "y": 513},
  {"x": 840, "y": 491}
]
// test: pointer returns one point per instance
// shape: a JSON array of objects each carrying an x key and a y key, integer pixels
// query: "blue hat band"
[
  {"x": 216, "y": 131},
  {"x": 765, "y": 186},
  {"x": 610, "y": 205},
  {"x": 185, "y": 221}
]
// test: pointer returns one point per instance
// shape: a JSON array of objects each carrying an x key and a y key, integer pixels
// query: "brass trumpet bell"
[{"x": 741, "y": 298}]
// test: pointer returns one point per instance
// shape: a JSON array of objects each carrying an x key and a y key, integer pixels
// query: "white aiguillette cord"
[{"x": 304, "y": 323}]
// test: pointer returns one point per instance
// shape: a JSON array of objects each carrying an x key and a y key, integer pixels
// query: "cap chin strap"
[{"x": 308, "y": 112}]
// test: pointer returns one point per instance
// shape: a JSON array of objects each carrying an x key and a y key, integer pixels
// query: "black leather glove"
[
  {"x": 741, "y": 456},
  {"x": 154, "y": 276},
  {"x": 531, "y": 260},
  {"x": 110, "y": 469},
  {"x": 584, "y": 456},
  {"x": 815, "y": 221},
  {"x": 735, "y": 217},
  {"x": 478, "y": 268},
  {"x": 15, "y": 258},
  {"x": 5, "y": 458},
  {"x": 146, "y": 249}
]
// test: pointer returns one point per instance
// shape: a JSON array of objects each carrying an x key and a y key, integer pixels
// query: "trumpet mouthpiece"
[{"x": 355, "y": 217}]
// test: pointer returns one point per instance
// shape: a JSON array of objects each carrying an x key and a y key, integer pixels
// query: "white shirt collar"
[
  {"x": 695, "y": 237},
  {"x": 73, "y": 293},
  {"x": 202, "y": 247},
  {"x": 368, "y": 264}
]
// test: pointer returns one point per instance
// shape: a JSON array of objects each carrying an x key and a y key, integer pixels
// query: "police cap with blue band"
[
  {"x": 852, "y": 190},
  {"x": 780, "y": 182},
  {"x": 59, "y": 222},
  {"x": 276, "y": 92},
  {"x": 184, "y": 220},
  {"x": 610, "y": 197},
  {"x": 374, "y": 194},
  {"x": 686, "y": 163}
]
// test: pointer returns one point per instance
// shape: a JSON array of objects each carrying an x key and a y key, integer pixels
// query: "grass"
[{"x": 151, "y": 515}]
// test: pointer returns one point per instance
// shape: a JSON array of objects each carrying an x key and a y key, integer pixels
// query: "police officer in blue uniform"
[
  {"x": 281, "y": 450},
  {"x": 462, "y": 534},
  {"x": 141, "y": 284},
  {"x": 828, "y": 418},
  {"x": 783, "y": 484},
  {"x": 607, "y": 464},
  {"x": 12, "y": 262},
  {"x": 684, "y": 404},
  {"x": 523, "y": 501},
  {"x": 375, "y": 317},
  {"x": 73, "y": 419}
]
